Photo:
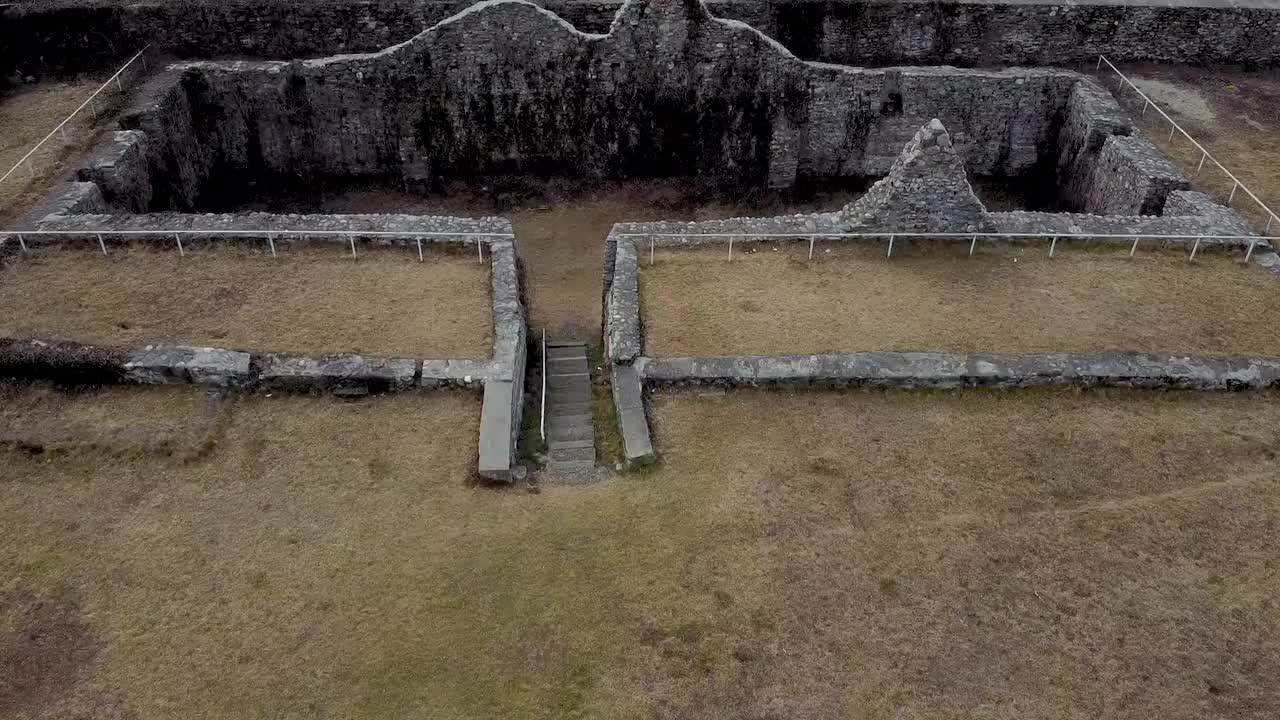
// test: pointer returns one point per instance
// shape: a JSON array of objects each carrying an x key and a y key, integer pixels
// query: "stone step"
[
  {"x": 577, "y": 395},
  {"x": 570, "y": 431},
  {"x": 556, "y": 381},
  {"x": 584, "y": 454},
  {"x": 565, "y": 353},
  {"x": 570, "y": 466},
  {"x": 561, "y": 366},
  {"x": 575, "y": 418},
  {"x": 555, "y": 446},
  {"x": 571, "y": 437}
]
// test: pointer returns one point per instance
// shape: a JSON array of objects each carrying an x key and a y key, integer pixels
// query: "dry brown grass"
[
  {"x": 309, "y": 299},
  {"x": 561, "y": 225},
  {"x": 30, "y": 113},
  {"x": 695, "y": 302},
  {"x": 973, "y": 554},
  {"x": 979, "y": 555}
]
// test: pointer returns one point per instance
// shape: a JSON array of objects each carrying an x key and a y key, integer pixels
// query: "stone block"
[
  {"x": 287, "y": 371},
  {"x": 628, "y": 401},
  {"x": 498, "y": 426},
  {"x": 166, "y": 364}
]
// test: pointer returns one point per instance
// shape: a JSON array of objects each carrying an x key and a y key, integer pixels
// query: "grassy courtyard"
[
  {"x": 309, "y": 299},
  {"x": 851, "y": 298},
  {"x": 907, "y": 555}
]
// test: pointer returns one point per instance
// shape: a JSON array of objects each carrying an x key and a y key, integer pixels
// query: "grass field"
[
  {"x": 850, "y": 298},
  {"x": 309, "y": 299},
  {"x": 908, "y": 555}
]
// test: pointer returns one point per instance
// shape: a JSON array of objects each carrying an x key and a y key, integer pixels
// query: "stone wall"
[
  {"x": 508, "y": 87},
  {"x": 75, "y": 35}
]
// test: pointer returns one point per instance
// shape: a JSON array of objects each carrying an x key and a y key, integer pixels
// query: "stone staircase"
[{"x": 571, "y": 436}]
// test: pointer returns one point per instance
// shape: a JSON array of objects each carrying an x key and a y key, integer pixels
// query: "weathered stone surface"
[
  {"x": 168, "y": 364},
  {"x": 628, "y": 402},
  {"x": 926, "y": 190},
  {"x": 366, "y": 229},
  {"x": 288, "y": 371},
  {"x": 504, "y": 384},
  {"x": 969, "y": 369},
  {"x": 622, "y": 306},
  {"x": 1130, "y": 177},
  {"x": 469, "y": 374},
  {"x": 75, "y": 36},
  {"x": 119, "y": 168},
  {"x": 499, "y": 425}
]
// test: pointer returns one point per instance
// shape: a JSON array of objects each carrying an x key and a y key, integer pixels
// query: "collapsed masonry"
[{"x": 926, "y": 190}]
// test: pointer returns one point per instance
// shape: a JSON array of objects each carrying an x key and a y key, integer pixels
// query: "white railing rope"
[
  {"x": 542, "y": 422},
  {"x": 966, "y": 235},
  {"x": 59, "y": 128},
  {"x": 1204, "y": 154},
  {"x": 268, "y": 235}
]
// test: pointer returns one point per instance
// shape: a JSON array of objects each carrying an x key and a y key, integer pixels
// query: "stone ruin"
[{"x": 508, "y": 87}]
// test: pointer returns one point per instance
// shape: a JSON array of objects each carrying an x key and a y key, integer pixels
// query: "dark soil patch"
[{"x": 45, "y": 657}]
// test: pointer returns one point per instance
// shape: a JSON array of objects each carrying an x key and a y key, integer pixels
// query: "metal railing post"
[
  {"x": 352, "y": 238},
  {"x": 1194, "y": 248},
  {"x": 1249, "y": 254},
  {"x": 181, "y": 252},
  {"x": 22, "y": 244},
  {"x": 730, "y": 248},
  {"x": 102, "y": 244},
  {"x": 1134, "y": 249},
  {"x": 271, "y": 242},
  {"x": 419, "y": 249},
  {"x": 811, "y": 239},
  {"x": 973, "y": 244},
  {"x": 890, "y": 253},
  {"x": 1053, "y": 245}
]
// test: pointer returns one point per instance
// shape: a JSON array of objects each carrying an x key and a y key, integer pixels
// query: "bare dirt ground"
[
  {"x": 309, "y": 299},
  {"x": 696, "y": 302},
  {"x": 1233, "y": 113},
  {"x": 560, "y": 225},
  {"x": 970, "y": 554},
  {"x": 30, "y": 113}
]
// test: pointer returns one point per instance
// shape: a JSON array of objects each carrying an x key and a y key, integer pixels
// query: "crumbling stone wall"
[
  {"x": 77, "y": 35},
  {"x": 926, "y": 190},
  {"x": 507, "y": 86}
]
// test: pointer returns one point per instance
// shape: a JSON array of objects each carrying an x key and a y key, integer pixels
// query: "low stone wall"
[
  {"x": 953, "y": 370},
  {"x": 75, "y": 35},
  {"x": 504, "y": 390},
  {"x": 64, "y": 361}
]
